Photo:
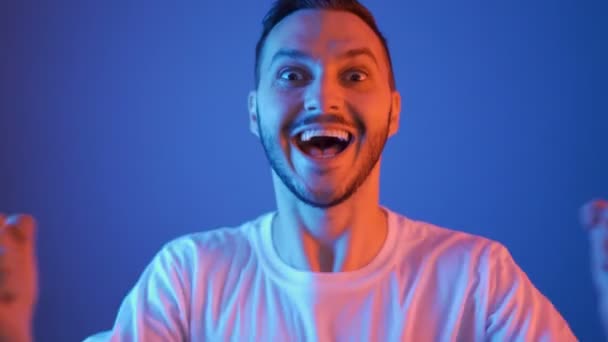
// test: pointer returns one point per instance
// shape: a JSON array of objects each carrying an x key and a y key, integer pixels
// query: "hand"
[
  {"x": 594, "y": 219},
  {"x": 18, "y": 277}
]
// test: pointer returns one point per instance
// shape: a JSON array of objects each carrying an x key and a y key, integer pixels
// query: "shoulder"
[
  {"x": 427, "y": 241},
  {"x": 228, "y": 243}
]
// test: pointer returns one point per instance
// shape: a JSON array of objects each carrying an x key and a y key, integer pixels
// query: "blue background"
[{"x": 124, "y": 125}]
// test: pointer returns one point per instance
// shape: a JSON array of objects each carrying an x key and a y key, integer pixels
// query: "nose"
[{"x": 323, "y": 96}]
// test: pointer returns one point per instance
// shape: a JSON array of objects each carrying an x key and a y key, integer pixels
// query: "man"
[{"x": 331, "y": 264}]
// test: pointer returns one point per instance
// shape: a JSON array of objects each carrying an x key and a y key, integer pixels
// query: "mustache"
[{"x": 321, "y": 119}]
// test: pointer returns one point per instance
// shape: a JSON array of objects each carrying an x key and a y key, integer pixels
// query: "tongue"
[{"x": 323, "y": 153}]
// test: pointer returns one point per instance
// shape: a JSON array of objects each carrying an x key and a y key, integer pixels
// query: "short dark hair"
[{"x": 282, "y": 8}]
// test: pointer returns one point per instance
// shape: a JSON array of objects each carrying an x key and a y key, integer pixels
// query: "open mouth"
[{"x": 323, "y": 143}]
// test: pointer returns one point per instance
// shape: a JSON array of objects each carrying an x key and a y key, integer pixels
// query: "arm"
[
  {"x": 517, "y": 311},
  {"x": 157, "y": 308}
]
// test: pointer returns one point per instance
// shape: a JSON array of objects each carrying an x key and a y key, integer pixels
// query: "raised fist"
[
  {"x": 18, "y": 277},
  {"x": 594, "y": 219}
]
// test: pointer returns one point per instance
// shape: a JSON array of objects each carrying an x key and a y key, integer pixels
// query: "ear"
[
  {"x": 252, "y": 104},
  {"x": 393, "y": 125}
]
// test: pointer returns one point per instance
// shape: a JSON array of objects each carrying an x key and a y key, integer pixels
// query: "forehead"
[{"x": 322, "y": 33}]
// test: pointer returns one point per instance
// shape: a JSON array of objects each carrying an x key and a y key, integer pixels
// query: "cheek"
[
  {"x": 278, "y": 109},
  {"x": 372, "y": 111},
  {"x": 373, "y": 102},
  {"x": 281, "y": 98}
]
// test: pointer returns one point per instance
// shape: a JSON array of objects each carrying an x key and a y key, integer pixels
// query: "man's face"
[{"x": 323, "y": 108}]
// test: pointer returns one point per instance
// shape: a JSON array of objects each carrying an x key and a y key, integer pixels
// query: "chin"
[{"x": 325, "y": 199}]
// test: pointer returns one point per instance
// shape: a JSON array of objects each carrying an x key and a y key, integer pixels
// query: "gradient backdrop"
[{"x": 124, "y": 125}]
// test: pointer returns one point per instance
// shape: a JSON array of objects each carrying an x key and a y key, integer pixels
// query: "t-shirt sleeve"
[
  {"x": 156, "y": 309},
  {"x": 517, "y": 311}
]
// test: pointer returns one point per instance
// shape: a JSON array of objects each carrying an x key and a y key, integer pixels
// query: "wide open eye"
[
  {"x": 355, "y": 76},
  {"x": 291, "y": 75}
]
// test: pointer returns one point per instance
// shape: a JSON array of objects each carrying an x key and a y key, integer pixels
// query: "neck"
[{"x": 342, "y": 238}]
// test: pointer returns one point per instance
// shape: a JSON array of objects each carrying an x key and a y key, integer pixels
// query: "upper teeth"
[{"x": 336, "y": 133}]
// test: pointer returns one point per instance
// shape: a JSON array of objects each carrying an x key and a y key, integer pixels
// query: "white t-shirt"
[{"x": 426, "y": 284}]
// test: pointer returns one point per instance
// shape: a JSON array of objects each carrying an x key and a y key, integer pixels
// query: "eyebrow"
[{"x": 298, "y": 54}]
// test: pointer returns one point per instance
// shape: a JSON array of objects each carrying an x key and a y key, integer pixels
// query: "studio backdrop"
[{"x": 124, "y": 125}]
